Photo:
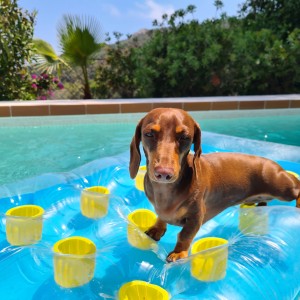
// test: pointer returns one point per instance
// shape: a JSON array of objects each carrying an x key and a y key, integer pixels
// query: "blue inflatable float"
[{"x": 262, "y": 248}]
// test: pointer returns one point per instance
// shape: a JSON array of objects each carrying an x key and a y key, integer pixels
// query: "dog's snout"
[{"x": 164, "y": 174}]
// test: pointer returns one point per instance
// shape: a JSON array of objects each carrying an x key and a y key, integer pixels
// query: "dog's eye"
[
  {"x": 184, "y": 137},
  {"x": 149, "y": 134}
]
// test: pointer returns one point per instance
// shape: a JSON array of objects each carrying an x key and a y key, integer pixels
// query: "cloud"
[
  {"x": 112, "y": 10},
  {"x": 153, "y": 10}
]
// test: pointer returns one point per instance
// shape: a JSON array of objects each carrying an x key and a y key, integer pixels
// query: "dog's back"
[{"x": 189, "y": 190}]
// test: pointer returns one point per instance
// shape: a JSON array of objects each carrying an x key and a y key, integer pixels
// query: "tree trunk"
[{"x": 86, "y": 87}]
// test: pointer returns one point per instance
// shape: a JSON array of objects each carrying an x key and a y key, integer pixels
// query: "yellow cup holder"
[
  {"x": 139, "y": 221},
  {"x": 138, "y": 290},
  {"x": 24, "y": 225},
  {"x": 139, "y": 179},
  {"x": 74, "y": 261},
  {"x": 94, "y": 202},
  {"x": 209, "y": 261},
  {"x": 295, "y": 174},
  {"x": 253, "y": 220}
]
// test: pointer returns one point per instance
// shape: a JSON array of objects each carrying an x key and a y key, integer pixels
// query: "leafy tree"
[
  {"x": 80, "y": 41},
  {"x": 116, "y": 77},
  {"x": 280, "y": 16},
  {"x": 270, "y": 33},
  {"x": 16, "y": 49},
  {"x": 217, "y": 57},
  {"x": 183, "y": 57},
  {"x": 225, "y": 56}
]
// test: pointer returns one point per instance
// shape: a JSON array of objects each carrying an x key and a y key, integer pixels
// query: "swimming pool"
[
  {"x": 257, "y": 263},
  {"x": 35, "y": 145}
]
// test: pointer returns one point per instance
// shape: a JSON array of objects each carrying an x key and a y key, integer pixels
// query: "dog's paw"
[
  {"x": 155, "y": 232},
  {"x": 173, "y": 256}
]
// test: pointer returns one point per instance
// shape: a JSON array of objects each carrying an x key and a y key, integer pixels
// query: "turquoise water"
[
  {"x": 283, "y": 129},
  {"x": 31, "y": 146}
]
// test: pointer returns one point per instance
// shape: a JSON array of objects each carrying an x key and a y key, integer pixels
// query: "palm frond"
[
  {"x": 46, "y": 59},
  {"x": 80, "y": 38}
]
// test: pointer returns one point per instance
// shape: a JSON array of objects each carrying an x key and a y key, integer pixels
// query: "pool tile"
[
  {"x": 103, "y": 108},
  {"x": 224, "y": 105},
  {"x": 75, "y": 109},
  {"x": 114, "y": 106},
  {"x": 295, "y": 104},
  {"x": 135, "y": 107},
  {"x": 4, "y": 111},
  {"x": 191, "y": 106},
  {"x": 252, "y": 104},
  {"x": 29, "y": 110},
  {"x": 277, "y": 104},
  {"x": 168, "y": 104}
]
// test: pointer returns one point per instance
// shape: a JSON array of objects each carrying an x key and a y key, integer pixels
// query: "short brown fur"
[{"x": 189, "y": 189}]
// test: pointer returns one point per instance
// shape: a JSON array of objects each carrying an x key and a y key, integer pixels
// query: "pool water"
[
  {"x": 68, "y": 154},
  {"x": 283, "y": 129},
  {"x": 32, "y": 150},
  {"x": 35, "y": 145}
]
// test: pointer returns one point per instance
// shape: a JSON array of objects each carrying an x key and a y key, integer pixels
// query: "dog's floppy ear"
[
  {"x": 197, "y": 140},
  {"x": 135, "y": 154}
]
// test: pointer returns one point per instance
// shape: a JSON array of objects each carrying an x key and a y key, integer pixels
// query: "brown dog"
[{"x": 187, "y": 190}]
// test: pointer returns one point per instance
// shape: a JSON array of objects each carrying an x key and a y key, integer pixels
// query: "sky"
[{"x": 126, "y": 17}]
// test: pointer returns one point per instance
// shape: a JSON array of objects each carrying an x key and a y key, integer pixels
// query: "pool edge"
[{"x": 115, "y": 106}]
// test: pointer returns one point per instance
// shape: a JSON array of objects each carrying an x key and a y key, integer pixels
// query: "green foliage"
[
  {"x": 249, "y": 54},
  {"x": 280, "y": 16},
  {"x": 16, "y": 49},
  {"x": 80, "y": 40},
  {"x": 116, "y": 78},
  {"x": 257, "y": 52},
  {"x": 45, "y": 59},
  {"x": 184, "y": 58}
]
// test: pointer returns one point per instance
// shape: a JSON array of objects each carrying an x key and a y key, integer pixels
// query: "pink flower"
[
  {"x": 33, "y": 76},
  {"x": 55, "y": 80},
  {"x": 60, "y": 85},
  {"x": 34, "y": 86}
]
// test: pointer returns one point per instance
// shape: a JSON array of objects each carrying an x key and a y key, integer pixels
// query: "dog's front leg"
[
  {"x": 184, "y": 240},
  {"x": 157, "y": 230}
]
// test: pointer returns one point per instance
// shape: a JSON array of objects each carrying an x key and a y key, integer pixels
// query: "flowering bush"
[
  {"x": 44, "y": 85},
  {"x": 16, "y": 49}
]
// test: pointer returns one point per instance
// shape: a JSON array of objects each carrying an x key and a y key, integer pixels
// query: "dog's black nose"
[{"x": 164, "y": 174}]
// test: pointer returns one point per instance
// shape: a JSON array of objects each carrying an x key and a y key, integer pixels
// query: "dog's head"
[{"x": 166, "y": 135}]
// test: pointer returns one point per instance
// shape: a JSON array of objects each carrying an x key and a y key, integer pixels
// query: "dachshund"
[{"x": 189, "y": 189}]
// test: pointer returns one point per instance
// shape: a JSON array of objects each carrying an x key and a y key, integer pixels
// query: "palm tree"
[
  {"x": 46, "y": 59},
  {"x": 80, "y": 40}
]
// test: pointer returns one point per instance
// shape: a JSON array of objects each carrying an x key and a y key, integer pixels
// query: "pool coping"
[{"x": 115, "y": 106}]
